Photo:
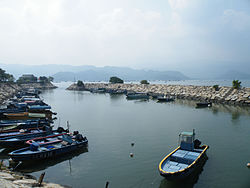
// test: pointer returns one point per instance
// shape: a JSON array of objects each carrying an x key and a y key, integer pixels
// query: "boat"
[
  {"x": 165, "y": 99},
  {"x": 182, "y": 162},
  {"x": 19, "y": 140},
  {"x": 28, "y": 115},
  {"x": 203, "y": 104},
  {"x": 38, "y": 152},
  {"x": 137, "y": 95}
]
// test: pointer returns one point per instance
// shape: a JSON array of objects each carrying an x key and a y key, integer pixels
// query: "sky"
[{"x": 183, "y": 35}]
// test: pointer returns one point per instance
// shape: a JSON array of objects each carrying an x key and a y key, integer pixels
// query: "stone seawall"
[{"x": 225, "y": 95}]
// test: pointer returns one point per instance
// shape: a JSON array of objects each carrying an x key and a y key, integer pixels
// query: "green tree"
[
  {"x": 51, "y": 79},
  {"x": 216, "y": 87},
  {"x": 80, "y": 83},
  {"x": 236, "y": 84},
  {"x": 144, "y": 82},
  {"x": 115, "y": 80},
  {"x": 5, "y": 77},
  {"x": 43, "y": 79}
]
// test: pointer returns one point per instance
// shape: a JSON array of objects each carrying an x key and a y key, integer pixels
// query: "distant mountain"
[
  {"x": 127, "y": 74},
  {"x": 90, "y": 73},
  {"x": 234, "y": 75},
  {"x": 41, "y": 70}
]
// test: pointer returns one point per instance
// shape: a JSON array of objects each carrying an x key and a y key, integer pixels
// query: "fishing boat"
[
  {"x": 203, "y": 104},
  {"x": 165, "y": 99},
  {"x": 19, "y": 140},
  {"x": 28, "y": 115},
  {"x": 137, "y": 95},
  {"x": 181, "y": 162},
  {"x": 37, "y": 152}
]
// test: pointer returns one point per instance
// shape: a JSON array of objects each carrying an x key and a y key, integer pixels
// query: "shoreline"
[
  {"x": 8, "y": 90},
  {"x": 225, "y": 94}
]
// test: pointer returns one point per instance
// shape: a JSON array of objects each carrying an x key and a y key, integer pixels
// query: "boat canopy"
[{"x": 186, "y": 140}]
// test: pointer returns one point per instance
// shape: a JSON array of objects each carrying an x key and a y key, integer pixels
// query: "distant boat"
[
  {"x": 181, "y": 162},
  {"x": 49, "y": 150},
  {"x": 203, "y": 104},
  {"x": 165, "y": 99},
  {"x": 138, "y": 95}
]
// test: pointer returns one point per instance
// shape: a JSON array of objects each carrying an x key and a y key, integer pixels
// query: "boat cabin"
[{"x": 186, "y": 140}]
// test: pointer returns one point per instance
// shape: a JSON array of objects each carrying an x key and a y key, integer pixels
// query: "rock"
[{"x": 6, "y": 176}]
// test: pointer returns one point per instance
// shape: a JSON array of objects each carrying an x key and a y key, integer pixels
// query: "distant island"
[{"x": 127, "y": 74}]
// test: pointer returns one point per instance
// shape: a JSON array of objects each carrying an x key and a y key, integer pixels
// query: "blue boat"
[
  {"x": 36, "y": 152},
  {"x": 137, "y": 95},
  {"x": 182, "y": 162},
  {"x": 19, "y": 140}
]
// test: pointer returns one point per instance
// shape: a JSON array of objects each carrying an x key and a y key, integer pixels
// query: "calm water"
[{"x": 111, "y": 124}]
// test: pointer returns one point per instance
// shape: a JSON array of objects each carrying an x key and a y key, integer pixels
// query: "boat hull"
[
  {"x": 48, "y": 154},
  {"x": 187, "y": 171}
]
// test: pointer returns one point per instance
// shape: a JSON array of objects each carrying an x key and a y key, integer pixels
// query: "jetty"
[{"x": 223, "y": 95}]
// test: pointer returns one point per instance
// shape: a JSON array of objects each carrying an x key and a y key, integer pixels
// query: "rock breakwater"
[{"x": 225, "y": 95}]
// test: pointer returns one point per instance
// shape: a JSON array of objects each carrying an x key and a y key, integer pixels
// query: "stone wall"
[{"x": 225, "y": 95}]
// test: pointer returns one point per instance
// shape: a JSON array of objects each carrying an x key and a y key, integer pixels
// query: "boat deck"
[{"x": 180, "y": 160}]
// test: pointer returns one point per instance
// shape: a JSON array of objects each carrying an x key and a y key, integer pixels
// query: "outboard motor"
[
  {"x": 197, "y": 144},
  {"x": 79, "y": 137}
]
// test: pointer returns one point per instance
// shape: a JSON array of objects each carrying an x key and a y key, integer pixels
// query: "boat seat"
[{"x": 186, "y": 157}]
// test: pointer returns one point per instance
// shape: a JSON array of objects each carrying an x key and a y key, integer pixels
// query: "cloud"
[{"x": 238, "y": 20}]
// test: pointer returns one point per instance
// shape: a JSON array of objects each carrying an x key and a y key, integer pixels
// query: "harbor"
[
  {"x": 27, "y": 134},
  {"x": 112, "y": 123}
]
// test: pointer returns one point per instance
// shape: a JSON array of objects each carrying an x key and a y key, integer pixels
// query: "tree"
[
  {"x": 51, "y": 79},
  {"x": 43, "y": 79},
  {"x": 144, "y": 82},
  {"x": 115, "y": 80},
  {"x": 80, "y": 83},
  {"x": 236, "y": 84},
  {"x": 5, "y": 76},
  {"x": 216, "y": 87}
]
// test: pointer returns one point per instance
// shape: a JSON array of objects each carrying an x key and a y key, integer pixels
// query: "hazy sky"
[{"x": 168, "y": 34}]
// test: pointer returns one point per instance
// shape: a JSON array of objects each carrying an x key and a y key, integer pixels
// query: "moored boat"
[
  {"x": 181, "y": 162},
  {"x": 165, "y": 99},
  {"x": 203, "y": 104},
  {"x": 138, "y": 95},
  {"x": 36, "y": 152},
  {"x": 19, "y": 140}
]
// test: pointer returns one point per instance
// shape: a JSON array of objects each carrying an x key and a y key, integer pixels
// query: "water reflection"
[
  {"x": 34, "y": 166},
  {"x": 235, "y": 111},
  {"x": 189, "y": 181}
]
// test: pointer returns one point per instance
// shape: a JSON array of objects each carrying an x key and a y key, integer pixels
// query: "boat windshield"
[{"x": 187, "y": 137}]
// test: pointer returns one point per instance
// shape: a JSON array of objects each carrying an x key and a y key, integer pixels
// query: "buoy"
[
  {"x": 132, "y": 144},
  {"x": 248, "y": 165},
  {"x": 131, "y": 155}
]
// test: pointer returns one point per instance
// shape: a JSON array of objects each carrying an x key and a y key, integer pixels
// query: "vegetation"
[
  {"x": 216, "y": 87},
  {"x": 27, "y": 78},
  {"x": 51, "y": 79},
  {"x": 43, "y": 79},
  {"x": 5, "y": 77},
  {"x": 80, "y": 83},
  {"x": 236, "y": 84},
  {"x": 115, "y": 80},
  {"x": 144, "y": 82}
]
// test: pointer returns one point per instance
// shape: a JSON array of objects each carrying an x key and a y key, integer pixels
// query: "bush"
[
  {"x": 144, "y": 82},
  {"x": 115, "y": 80},
  {"x": 80, "y": 83},
  {"x": 236, "y": 84},
  {"x": 216, "y": 87}
]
